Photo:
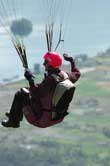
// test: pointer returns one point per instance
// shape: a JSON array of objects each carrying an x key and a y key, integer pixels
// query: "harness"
[{"x": 62, "y": 96}]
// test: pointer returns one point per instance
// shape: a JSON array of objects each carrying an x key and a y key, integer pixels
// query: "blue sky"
[
  {"x": 91, "y": 27},
  {"x": 88, "y": 31}
]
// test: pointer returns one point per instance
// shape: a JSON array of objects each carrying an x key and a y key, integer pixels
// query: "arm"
[
  {"x": 44, "y": 87},
  {"x": 29, "y": 76},
  {"x": 74, "y": 75}
]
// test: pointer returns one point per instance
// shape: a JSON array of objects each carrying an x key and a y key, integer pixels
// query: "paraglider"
[{"x": 46, "y": 103}]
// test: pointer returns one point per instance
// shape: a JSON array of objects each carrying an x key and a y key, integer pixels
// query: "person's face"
[{"x": 46, "y": 65}]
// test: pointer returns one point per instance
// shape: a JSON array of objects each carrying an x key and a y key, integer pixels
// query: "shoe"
[
  {"x": 8, "y": 115},
  {"x": 10, "y": 124}
]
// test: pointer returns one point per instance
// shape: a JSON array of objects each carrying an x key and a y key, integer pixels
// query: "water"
[
  {"x": 10, "y": 74},
  {"x": 10, "y": 65}
]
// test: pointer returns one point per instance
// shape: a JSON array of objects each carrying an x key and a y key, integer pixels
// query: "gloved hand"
[
  {"x": 28, "y": 74},
  {"x": 68, "y": 58}
]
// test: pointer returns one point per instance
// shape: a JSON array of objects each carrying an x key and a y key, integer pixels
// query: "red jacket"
[{"x": 41, "y": 100}]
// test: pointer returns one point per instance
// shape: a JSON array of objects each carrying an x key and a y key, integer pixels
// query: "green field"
[{"x": 83, "y": 139}]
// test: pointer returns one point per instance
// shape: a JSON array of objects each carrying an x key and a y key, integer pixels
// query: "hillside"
[{"x": 83, "y": 139}]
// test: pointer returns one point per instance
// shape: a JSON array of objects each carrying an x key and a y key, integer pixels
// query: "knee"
[{"x": 18, "y": 94}]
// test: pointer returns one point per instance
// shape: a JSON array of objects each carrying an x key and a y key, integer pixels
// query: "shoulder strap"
[
  {"x": 65, "y": 75},
  {"x": 58, "y": 77}
]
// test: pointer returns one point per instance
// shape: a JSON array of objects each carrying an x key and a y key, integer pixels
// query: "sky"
[{"x": 87, "y": 31}]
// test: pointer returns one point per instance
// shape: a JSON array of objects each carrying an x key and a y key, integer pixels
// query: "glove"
[
  {"x": 28, "y": 75},
  {"x": 68, "y": 58}
]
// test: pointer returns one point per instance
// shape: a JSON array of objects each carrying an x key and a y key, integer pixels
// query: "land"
[{"x": 83, "y": 139}]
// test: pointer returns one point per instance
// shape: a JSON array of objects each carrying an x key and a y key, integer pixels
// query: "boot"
[
  {"x": 10, "y": 123},
  {"x": 8, "y": 116}
]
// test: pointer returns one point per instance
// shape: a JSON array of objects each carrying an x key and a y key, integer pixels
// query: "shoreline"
[
  {"x": 12, "y": 79},
  {"x": 9, "y": 80}
]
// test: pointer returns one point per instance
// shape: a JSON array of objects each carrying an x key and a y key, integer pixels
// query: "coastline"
[{"x": 16, "y": 78}]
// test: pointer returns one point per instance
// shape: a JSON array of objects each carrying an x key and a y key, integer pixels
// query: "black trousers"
[{"x": 20, "y": 99}]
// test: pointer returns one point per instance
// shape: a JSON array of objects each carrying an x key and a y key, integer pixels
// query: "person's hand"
[
  {"x": 28, "y": 74},
  {"x": 67, "y": 58}
]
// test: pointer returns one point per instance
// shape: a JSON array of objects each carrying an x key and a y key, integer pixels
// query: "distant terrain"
[{"x": 83, "y": 139}]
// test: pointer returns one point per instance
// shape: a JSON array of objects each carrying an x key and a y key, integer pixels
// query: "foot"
[
  {"x": 8, "y": 115},
  {"x": 10, "y": 124}
]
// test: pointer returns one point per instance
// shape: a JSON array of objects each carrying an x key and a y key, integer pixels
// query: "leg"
[{"x": 15, "y": 115}]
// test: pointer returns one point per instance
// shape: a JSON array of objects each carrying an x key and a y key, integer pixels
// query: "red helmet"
[{"x": 53, "y": 59}]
